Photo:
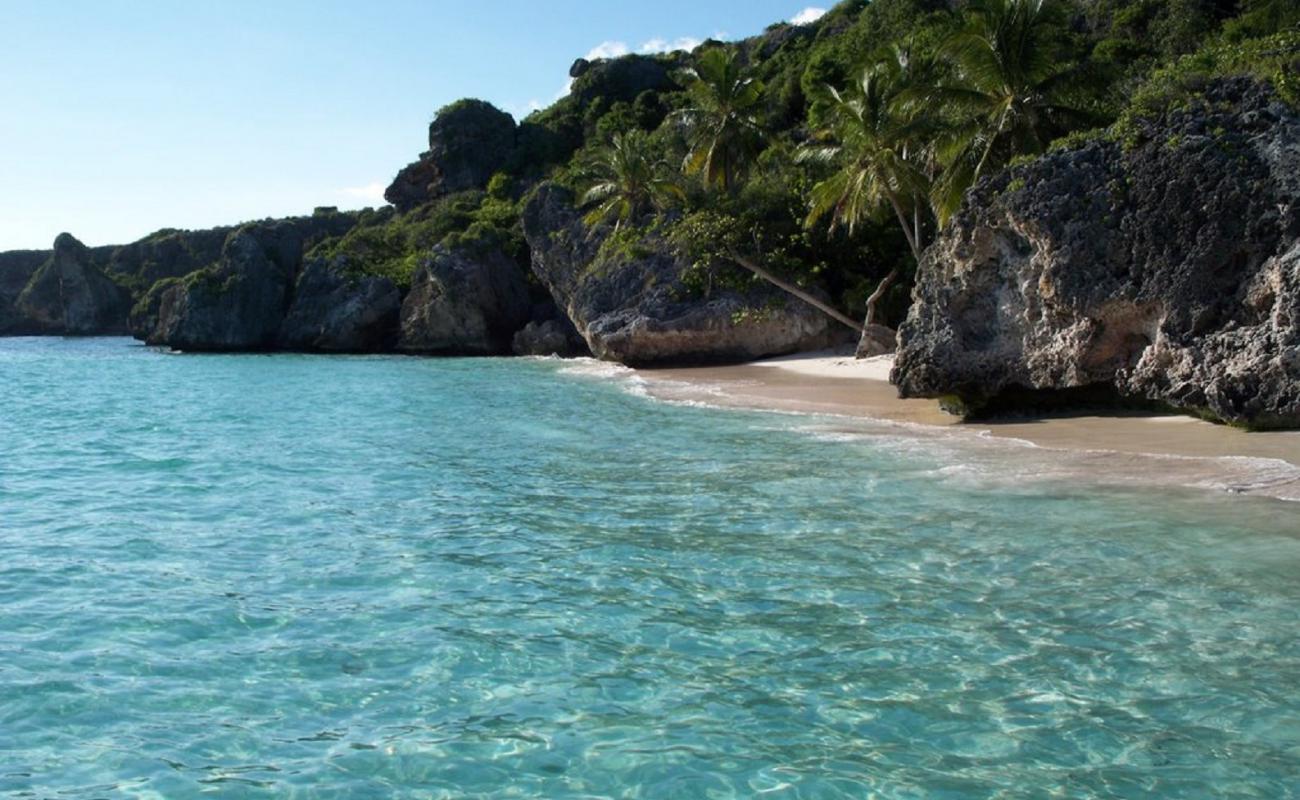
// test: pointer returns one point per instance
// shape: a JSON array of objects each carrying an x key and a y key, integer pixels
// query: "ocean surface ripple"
[{"x": 309, "y": 577}]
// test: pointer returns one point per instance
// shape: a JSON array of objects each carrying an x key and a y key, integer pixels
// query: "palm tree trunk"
[
  {"x": 796, "y": 291},
  {"x": 913, "y": 235},
  {"x": 878, "y": 294}
]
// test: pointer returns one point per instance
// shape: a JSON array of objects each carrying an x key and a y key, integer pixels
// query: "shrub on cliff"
[{"x": 393, "y": 247}]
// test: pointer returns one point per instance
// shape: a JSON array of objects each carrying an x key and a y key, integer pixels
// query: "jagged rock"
[
  {"x": 464, "y": 303},
  {"x": 579, "y": 68},
  {"x": 236, "y": 304},
  {"x": 333, "y": 311},
  {"x": 415, "y": 185},
  {"x": 1168, "y": 272},
  {"x": 636, "y": 310},
  {"x": 70, "y": 295},
  {"x": 469, "y": 141},
  {"x": 143, "y": 320},
  {"x": 549, "y": 333}
]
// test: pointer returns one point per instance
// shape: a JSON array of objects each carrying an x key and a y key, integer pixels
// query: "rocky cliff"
[
  {"x": 69, "y": 294},
  {"x": 468, "y": 141},
  {"x": 632, "y": 306},
  {"x": 464, "y": 303},
  {"x": 1164, "y": 269}
]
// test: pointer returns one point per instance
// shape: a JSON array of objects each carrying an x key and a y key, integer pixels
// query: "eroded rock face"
[
  {"x": 69, "y": 295},
  {"x": 464, "y": 303},
  {"x": 1167, "y": 273},
  {"x": 549, "y": 333},
  {"x": 637, "y": 311},
  {"x": 236, "y": 304},
  {"x": 334, "y": 311},
  {"x": 469, "y": 141}
]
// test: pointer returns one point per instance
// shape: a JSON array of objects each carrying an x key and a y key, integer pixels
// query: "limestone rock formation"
[
  {"x": 469, "y": 141},
  {"x": 334, "y": 311},
  {"x": 236, "y": 304},
  {"x": 549, "y": 333},
  {"x": 70, "y": 295},
  {"x": 464, "y": 303},
  {"x": 636, "y": 310},
  {"x": 1165, "y": 272}
]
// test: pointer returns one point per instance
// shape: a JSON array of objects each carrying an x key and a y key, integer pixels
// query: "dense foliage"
[{"x": 832, "y": 152}]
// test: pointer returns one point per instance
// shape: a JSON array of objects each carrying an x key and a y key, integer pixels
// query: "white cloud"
[
  {"x": 809, "y": 14},
  {"x": 371, "y": 192},
  {"x": 658, "y": 45},
  {"x": 608, "y": 50},
  {"x": 520, "y": 112},
  {"x": 616, "y": 49}
]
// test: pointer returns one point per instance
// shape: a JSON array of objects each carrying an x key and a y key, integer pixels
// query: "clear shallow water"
[{"x": 283, "y": 576}]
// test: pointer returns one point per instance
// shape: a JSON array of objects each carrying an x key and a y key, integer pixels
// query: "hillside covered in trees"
[{"x": 827, "y": 155}]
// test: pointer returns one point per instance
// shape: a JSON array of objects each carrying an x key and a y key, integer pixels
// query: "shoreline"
[{"x": 1113, "y": 448}]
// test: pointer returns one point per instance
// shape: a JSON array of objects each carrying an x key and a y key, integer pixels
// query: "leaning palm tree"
[
  {"x": 627, "y": 181},
  {"x": 1011, "y": 94},
  {"x": 723, "y": 129},
  {"x": 874, "y": 142}
]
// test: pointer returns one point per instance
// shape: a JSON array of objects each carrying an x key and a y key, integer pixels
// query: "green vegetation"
[
  {"x": 627, "y": 180},
  {"x": 877, "y": 148},
  {"x": 393, "y": 246},
  {"x": 725, "y": 136},
  {"x": 824, "y": 157}
]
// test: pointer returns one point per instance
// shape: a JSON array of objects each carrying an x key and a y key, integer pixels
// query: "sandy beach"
[{"x": 1189, "y": 451}]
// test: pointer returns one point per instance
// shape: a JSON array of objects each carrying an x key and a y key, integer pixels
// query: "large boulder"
[
  {"x": 337, "y": 311},
  {"x": 464, "y": 303},
  {"x": 1167, "y": 271},
  {"x": 469, "y": 141},
  {"x": 236, "y": 304},
  {"x": 634, "y": 308},
  {"x": 70, "y": 295}
]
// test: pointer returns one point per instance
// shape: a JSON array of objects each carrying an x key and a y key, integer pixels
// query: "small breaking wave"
[{"x": 978, "y": 457}]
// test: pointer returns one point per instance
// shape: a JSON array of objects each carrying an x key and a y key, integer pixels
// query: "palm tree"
[
  {"x": 723, "y": 128},
  {"x": 1012, "y": 93},
  {"x": 875, "y": 142},
  {"x": 628, "y": 180}
]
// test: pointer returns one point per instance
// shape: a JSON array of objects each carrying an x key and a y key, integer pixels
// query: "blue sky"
[{"x": 119, "y": 117}]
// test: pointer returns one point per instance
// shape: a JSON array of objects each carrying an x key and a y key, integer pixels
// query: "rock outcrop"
[
  {"x": 464, "y": 303},
  {"x": 69, "y": 295},
  {"x": 623, "y": 79},
  {"x": 635, "y": 309},
  {"x": 1165, "y": 272},
  {"x": 235, "y": 304},
  {"x": 469, "y": 141},
  {"x": 336, "y": 311},
  {"x": 549, "y": 333}
]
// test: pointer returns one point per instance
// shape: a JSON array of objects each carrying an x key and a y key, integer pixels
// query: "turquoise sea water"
[{"x": 292, "y": 576}]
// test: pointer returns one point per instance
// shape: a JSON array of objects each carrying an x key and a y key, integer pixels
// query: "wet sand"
[{"x": 1191, "y": 451}]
